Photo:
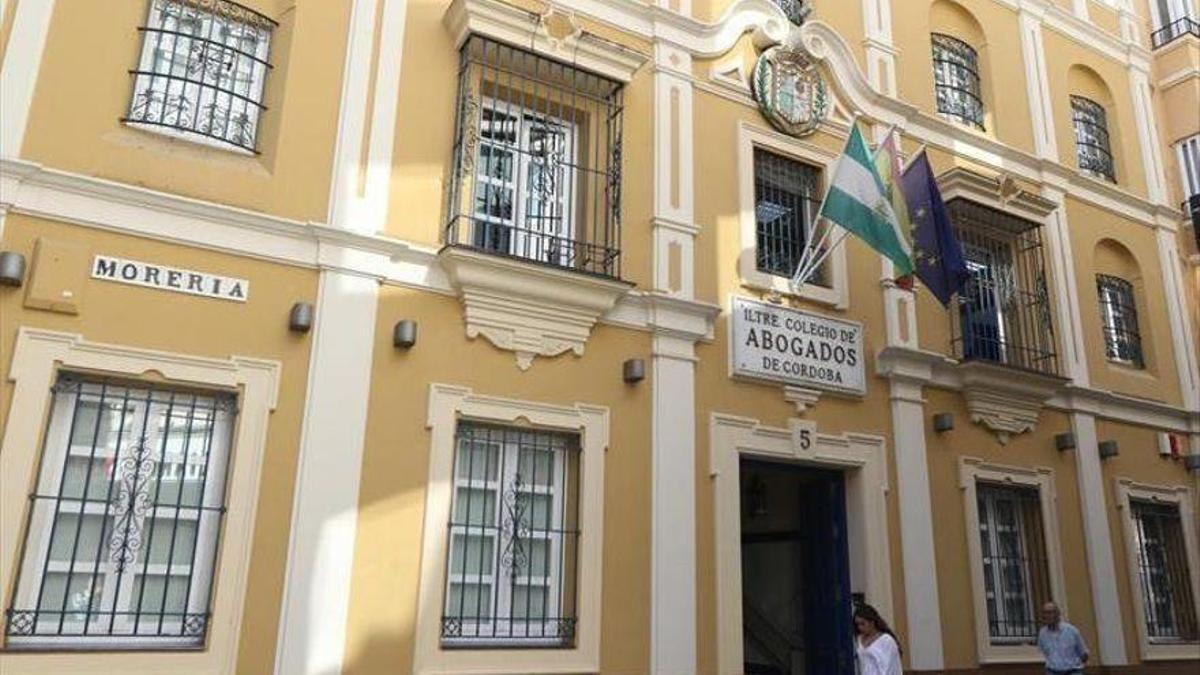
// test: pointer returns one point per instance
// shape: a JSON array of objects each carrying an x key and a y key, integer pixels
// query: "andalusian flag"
[{"x": 858, "y": 202}]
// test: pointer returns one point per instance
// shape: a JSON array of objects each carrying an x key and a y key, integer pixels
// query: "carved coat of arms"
[{"x": 790, "y": 91}]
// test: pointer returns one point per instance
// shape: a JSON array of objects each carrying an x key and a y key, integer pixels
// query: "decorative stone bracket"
[
  {"x": 1005, "y": 400},
  {"x": 525, "y": 307}
]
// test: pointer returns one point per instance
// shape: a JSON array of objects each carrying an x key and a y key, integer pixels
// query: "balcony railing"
[
  {"x": 537, "y": 160},
  {"x": 1174, "y": 30}
]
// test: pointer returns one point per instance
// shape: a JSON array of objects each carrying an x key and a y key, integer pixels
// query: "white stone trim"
[
  {"x": 926, "y": 650},
  {"x": 1182, "y": 498},
  {"x": 862, "y": 457},
  {"x": 1147, "y": 130},
  {"x": 673, "y": 546},
  {"x": 19, "y": 72},
  {"x": 531, "y": 310},
  {"x": 448, "y": 404},
  {"x": 971, "y": 470},
  {"x": 1041, "y": 108},
  {"x": 38, "y": 356},
  {"x": 1093, "y": 505},
  {"x": 749, "y": 137},
  {"x": 316, "y": 596},
  {"x": 513, "y": 25},
  {"x": 1177, "y": 316}
]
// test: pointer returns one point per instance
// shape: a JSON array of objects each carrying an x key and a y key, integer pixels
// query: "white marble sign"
[
  {"x": 166, "y": 278},
  {"x": 786, "y": 345}
]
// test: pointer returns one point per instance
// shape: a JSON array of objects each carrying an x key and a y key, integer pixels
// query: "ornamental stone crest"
[{"x": 790, "y": 90}]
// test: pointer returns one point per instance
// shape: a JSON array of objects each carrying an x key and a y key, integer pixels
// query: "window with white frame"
[
  {"x": 537, "y": 160},
  {"x": 786, "y": 199},
  {"x": 124, "y": 518},
  {"x": 1187, "y": 152},
  {"x": 956, "y": 80},
  {"x": 201, "y": 72},
  {"x": 511, "y": 567},
  {"x": 1013, "y": 554},
  {"x": 1092, "y": 149},
  {"x": 1118, "y": 313},
  {"x": 1162, "y": 563}
]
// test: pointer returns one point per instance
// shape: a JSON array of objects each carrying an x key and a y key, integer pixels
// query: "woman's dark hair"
[{"x": 868, "y": 613}]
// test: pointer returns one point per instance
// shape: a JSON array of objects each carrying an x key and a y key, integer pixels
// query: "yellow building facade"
[{"x": 396, "y": 336}]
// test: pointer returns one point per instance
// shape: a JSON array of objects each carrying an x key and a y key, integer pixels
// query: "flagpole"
[
  {"x": 913, "y": 157},
  {"x": 806, "y": 255},
  {"x": 817, "y": 263}
]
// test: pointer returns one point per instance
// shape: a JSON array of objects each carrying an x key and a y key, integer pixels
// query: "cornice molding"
[
  {"x": 911, "y": 369},
  {"x": 564, "y": 41}
]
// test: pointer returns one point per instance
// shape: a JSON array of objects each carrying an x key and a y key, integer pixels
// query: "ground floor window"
[
  {"x": 1015, "y": 570},
  {"x": 1163, "y": 573},
  {"x": 124, "y": 519},
  {"x": 511, "y": 569}
]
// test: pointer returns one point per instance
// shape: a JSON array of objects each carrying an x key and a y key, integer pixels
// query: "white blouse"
[{"x": 881, "y": 657}]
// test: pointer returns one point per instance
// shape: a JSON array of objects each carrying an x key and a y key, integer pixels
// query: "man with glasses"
[{"x": 1060, "y": 643}]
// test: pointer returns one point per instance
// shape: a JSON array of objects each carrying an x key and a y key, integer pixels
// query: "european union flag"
[{"x": 937, "y": 255}]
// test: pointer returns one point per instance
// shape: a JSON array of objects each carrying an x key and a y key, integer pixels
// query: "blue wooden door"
[{"x": 826, "y": 570}]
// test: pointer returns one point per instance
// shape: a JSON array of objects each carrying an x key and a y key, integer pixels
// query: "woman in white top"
[{"x": 875, "y": 644}]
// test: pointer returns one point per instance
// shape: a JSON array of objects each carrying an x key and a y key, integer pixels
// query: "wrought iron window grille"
[
  {"x": 1093, "y": 150},
  {"x": 201, "y": 72},
  {"x": 1015, "y": 566},
  {"x": 124, "y": 519},
  {"x": 537, "y": 160},
  {"x": 1163, "y": 573},
  {"x": 1003, "y": 312},
  {"x": 786, "y": 200},
  {"x": 1118, "y": 315},
  {"x": 513, "y": 545},
  {"x": 1174, "y": 30},
  {"x": 794, "y": 10},
  {"x": 956, "y": 80}
]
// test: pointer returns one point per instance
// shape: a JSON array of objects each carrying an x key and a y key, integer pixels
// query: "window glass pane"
[
  {"x": 786, "y": 197},
  {"x": 202, "y": 71},
  {"x": 1166, "y": 589},
  {"x": 155, "y": 498},
  {"x": 512, "y": 548},
  {"x": 956, "y": 80},
  {"x": 1015, "y": 569}
]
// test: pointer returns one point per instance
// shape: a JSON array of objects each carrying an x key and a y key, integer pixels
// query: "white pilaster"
[
  {"x": 916, "y": 526},
  {"x": 673, "y": 605},
  {"x": 1098, "y": 541},
  {"x": 1177, "y": 315},
  {"x": 19, "y": 73},
  {"x": 1073, "y": 355},
  {"x": 312, "y": 626},
  {"x": 673, "y": 550},
  {"x": 880, "y": 52},
  {"x": 1080, "y": 9},
  {"x": 1041, "y": 110},
  {"x": 1147, "y": 129}
]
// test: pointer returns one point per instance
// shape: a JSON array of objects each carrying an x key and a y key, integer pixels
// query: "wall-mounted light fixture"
[
  {"x": 300, "y": 319},
  {"x": 943, "y": 422},
  {"x": 1064, "y": 441},
  {"x": 1108, "y": 449},
  {"x": 404, "y": 334},
  {"x": 1191, "y": 462},
  {"x": 12, "y": 268},
  {"x": 633, "y": 371}
]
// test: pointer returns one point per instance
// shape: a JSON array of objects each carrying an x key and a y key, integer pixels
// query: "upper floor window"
[
  {"x": 786, "y": 198},
  {"x": 1092, "y": 147},
  {"x": 1118, "y": 312},
  {"x": 201, "y": 72},
  {"x": 514, "y": 529},
  {"x": 124, "y": 518},
  {"x": 1016, "y": 575},
  {"x": 1174, "y": 20},
  {"x": 1162, "y": 563},
  {"x": 1187, "y": 152},
  {"x": 537, "y": 160},
  {"x": 1003, "y": 313},
  {"x": 956, "y": 80}
]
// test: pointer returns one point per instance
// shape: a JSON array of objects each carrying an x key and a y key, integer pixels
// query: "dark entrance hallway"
[{"x": 796, "y": 602}]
